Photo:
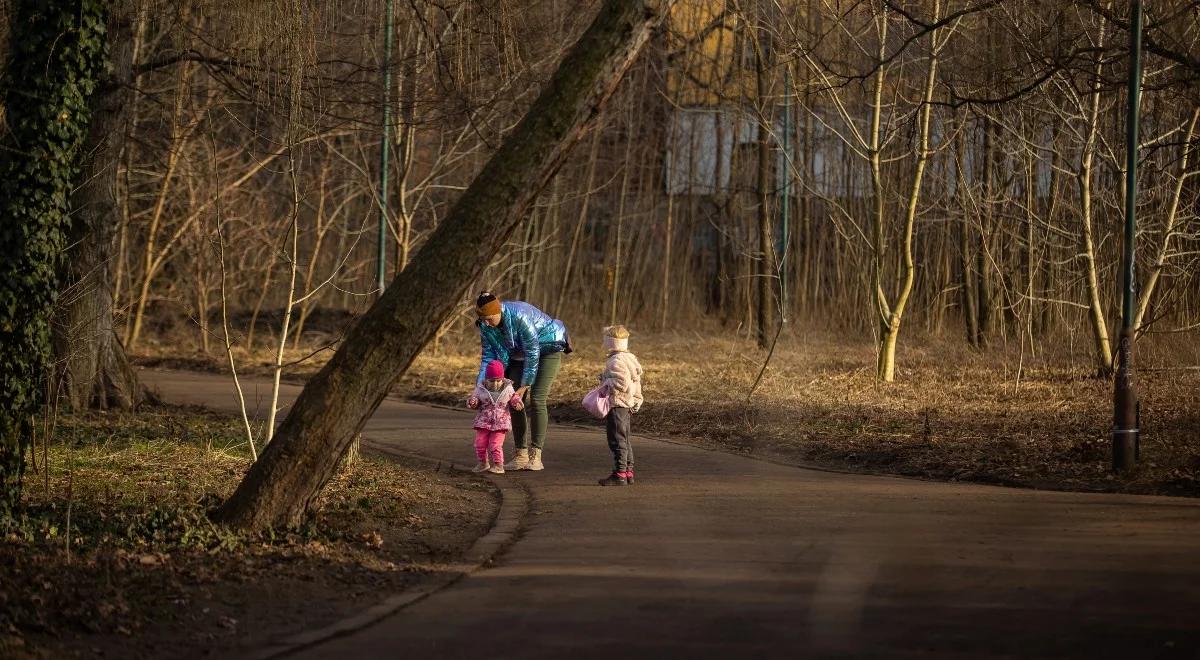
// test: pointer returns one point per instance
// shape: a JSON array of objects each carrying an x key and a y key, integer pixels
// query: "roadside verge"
[{"x": 514, "y": 503}]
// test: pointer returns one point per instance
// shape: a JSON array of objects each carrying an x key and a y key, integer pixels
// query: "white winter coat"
[{"x": 623, "y": 378}]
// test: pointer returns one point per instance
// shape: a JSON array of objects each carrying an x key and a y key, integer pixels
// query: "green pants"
[{"x": 535, "y": 400}]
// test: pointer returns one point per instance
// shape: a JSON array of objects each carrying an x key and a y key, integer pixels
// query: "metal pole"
[
  {"x": 786, "y": 203},
  {"x": 1125, "y": 433},
  {"x": 384, "y": 148}
]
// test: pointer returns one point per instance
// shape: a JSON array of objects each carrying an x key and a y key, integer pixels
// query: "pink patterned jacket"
[{"x": 494, "y": 412}]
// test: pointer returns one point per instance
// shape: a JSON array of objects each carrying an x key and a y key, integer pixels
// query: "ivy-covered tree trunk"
[
  {"x": 90, "y": 359},
  {"x": 49, "y": 79},
  {"x": 337, "y": 401}
]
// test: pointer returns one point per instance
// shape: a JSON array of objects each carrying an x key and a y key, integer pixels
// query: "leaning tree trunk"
[
  {"x": 336, "y": 403},
  {"x": 94, "y": 370},
  {"x": 51, "y": 75}
]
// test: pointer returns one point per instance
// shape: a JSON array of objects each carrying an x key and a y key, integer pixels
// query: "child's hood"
[
  {"x": 485, "y": 394},
  {"x": 626, "y": 358}
]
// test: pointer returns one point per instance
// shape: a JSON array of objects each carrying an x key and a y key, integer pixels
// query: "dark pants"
[{"x": 617, "y": 425}]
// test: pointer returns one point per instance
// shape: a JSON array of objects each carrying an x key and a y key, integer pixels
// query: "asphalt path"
[{"x": 714, "y": 555}]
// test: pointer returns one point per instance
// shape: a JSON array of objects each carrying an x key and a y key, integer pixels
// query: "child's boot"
[
  {"x": 498, "y": 468},
  {"x": 535, "y": 460},
  {"x": 614, "y": 479},
  {"x": 481, "y": 466},
  {"x": 519, "y": 462}
]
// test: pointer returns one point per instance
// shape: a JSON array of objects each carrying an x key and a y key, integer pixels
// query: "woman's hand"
[
  {"x": 520, "y": 393},
  {"x": 517, "y": 403},
  {"x": 473, "y": 403}
]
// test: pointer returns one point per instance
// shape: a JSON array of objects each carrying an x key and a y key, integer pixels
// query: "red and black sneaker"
[{"x": 629, "y": 477}]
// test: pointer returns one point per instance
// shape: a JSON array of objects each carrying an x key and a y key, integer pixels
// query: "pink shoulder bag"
[{"x": 597, "y": 403}]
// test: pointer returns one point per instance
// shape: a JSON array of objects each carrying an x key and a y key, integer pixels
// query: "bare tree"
[{"x": 337, "y": 402}]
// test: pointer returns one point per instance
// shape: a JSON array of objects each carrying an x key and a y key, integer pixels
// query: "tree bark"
[
  {"x": 764, "y": 265},
  {"x": 969, "y": 299},
  {"x": 336, "y": 403},
  {"x": 93, "y": 368},
  {"x": 891, "y": 328},
  {"x": 1162, "y": 253},
  {"x": 54, "y": 66},
  {"x": 881, "y": 310},
  {"x": 1087, "y": 242},
  {"x": 590, "y": 180},
  {"x": 626, "y": 166},
  {"x": 985, "y": 269}
]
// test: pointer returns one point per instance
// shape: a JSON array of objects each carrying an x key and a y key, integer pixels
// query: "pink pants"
[{"x": 489, "y": 443}]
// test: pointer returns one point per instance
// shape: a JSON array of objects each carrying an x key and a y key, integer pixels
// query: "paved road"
[{"x": 713, "y": 555}]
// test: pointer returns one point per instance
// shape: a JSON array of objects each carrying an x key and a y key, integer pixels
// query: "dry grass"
[
  {"x": 1001, "y": 416},
  {"x": 954, "y": 413},
  {"x": 115, "y": 548}
]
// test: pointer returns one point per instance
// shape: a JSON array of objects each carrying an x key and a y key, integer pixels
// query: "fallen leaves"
[
  {"x": 145, "y": 557},
  {"x": 372, "y": 540}
]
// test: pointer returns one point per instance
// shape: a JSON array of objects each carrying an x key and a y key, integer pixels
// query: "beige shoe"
[
  {"x": 481, "y": 467},
  {"x": 496, "y": 469},
  {"x": 519, "y": 462},
  {"x": 535, "y": 460}
]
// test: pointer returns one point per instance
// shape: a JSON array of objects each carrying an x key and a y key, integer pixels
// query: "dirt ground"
[
  {"x": 1006, "y": 415},
  {"x": 147, "y": 575}
]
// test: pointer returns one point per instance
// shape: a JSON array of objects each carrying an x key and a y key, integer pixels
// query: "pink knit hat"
[{"x": 495, "y": 369}]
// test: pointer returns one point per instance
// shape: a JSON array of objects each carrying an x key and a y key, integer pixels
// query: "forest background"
[{"x": 792, "y": 205}]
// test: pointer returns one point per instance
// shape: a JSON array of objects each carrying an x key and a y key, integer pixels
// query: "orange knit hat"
[{"x": 487, "y": 304}]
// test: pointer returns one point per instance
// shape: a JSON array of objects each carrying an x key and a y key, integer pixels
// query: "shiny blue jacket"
[{"x": 523, "y": 328}]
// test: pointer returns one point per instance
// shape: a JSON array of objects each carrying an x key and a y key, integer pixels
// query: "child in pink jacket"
[{"x": 492, "y": 398}]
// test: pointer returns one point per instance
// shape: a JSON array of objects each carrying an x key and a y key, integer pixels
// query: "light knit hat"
[{"x": 616, "y": 338}]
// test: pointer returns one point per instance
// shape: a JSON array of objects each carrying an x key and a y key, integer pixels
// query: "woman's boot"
[
  {"x": 520, "y": 461},
  {"x": 535, "y": 460}
]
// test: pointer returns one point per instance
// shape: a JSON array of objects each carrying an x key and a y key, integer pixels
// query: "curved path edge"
[
  {"x": 713, "y": 556},
  {"x": 506, "y": 527}
]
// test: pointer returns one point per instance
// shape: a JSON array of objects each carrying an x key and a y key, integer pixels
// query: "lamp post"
[
  {"x": 384, "y": 148},
  {"x": 1125, "y": 432}
]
